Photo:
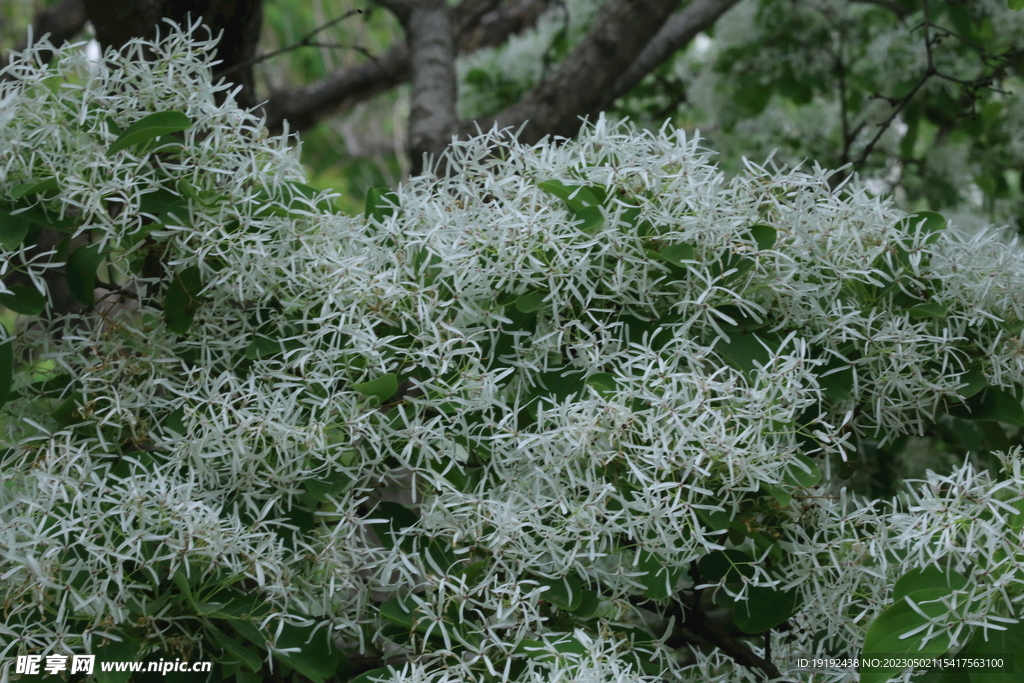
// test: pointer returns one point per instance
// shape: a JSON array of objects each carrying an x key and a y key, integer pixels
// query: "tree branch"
[
  {"x": 620, "y": 33},
  {"x": 432, "y": 117},
  {"x": 678, "y": 31},
  {"x": 479, "y": 23}
]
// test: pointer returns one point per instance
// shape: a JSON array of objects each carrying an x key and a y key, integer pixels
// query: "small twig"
[{"x": 305, "y": 41}]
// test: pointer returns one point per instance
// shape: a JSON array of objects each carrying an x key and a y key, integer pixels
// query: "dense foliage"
[{"x": 578, "y": 412}]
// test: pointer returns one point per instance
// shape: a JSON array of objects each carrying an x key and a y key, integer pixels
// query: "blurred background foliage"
[{"x": 936, "y": 126}]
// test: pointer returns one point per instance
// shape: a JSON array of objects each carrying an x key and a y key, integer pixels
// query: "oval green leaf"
[
  {"x": 927, "y": 577},
  {"x": 678, "y": 254},
  {"x": 240, "y": 652},
  {"x": 261, "y": 346},
  {"x": 885, "y": 634},
  {"x": 729, "y": 565},
  {"x": 660, "y": 579},
  {"x": 804, "y": 472},
  {"x": 589, "y": 218},
  {"x": 381, "y": 203},
  {"x": 182, "y": 300},
  {"x": 39, "y": 187},
  {"x": 12, "y": 230},
  {"x": 999, "y": 644},
  {"x": 764, "y": 236},
  {"x": 124, "y": 650},
  {"x": 379, "y": 675},
  {"x": 992, "y": 404},
  {"x": 765, "y": 608},
  {"x": 383, "y": 388},
  {"x": 81, "y": 272},
  {"x": 603, "y": 382},
  {"x": 23, "y": 300},
  {"x": 149, "y": 128},
  {"x": 529, "y": 302},
  {"x": 564, "y": 593},
  {"x": 575, "y": 196}
]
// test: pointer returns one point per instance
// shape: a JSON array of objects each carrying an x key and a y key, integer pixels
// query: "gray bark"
[
  {"x": 581, "y": 85},
  {"x": 432, "y": 117},
  {"x": 479, "y": 23},
  {"x": 678, "y": 31}
]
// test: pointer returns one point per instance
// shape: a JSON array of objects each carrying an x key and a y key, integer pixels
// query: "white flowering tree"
[{"x": 571, "y": 412}]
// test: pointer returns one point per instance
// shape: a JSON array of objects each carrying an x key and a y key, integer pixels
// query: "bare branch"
[
  {"x": 620, "y": 33},
  {"x": 305, "y": 41},
  {"x": 678, "y": 31},
  {"x": 480, "y": 23}
]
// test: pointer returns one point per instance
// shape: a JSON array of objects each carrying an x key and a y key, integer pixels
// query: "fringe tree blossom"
[{"x": 614, "y": 364}]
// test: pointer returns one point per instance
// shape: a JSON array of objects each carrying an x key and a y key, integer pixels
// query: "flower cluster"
[{"x": 491, "y": 430}]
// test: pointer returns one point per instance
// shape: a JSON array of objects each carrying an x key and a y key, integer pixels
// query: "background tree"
[{"x": 920, "y": 96}]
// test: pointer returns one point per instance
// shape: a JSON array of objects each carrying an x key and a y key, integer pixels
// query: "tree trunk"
[{"x": 118, "y": 21}]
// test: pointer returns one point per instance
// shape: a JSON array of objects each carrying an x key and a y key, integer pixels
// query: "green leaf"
[
  {"x": 678, "y": 254},
  {"x": 972, "y": 382},
  {"x": 993, "y": 435},
  {"x": 529, "y": 302},
  {"x": 927, "y": 223},
  {"x": 1016, "y": 5},
  {"x": 400, "y": 612},
  {"x": 383, "y": 388},
  {"x": 473, "y": 570},
  {"x": 150, "y": 127},
  {"x": 81, "y": 272},
  {"x": 23, "y": 300},
  {"x": 317, "y": 658},
  {"x": 398, "y": 517},
  {"x": 729, "y": 565},
  {"x": 12, "y": 230},
  {"x": 992, "y": 404},
  {"x": 928, "y": 577},
  {"x": 124, "y": 650},
  {"x": 745, "y": 351},
  {"x": 603, "y": 382},
  {"x": 764, "y": 235},
  {"x": 660, "y": 579},
  {"x": 564, "y": 593},
  {"x": 589, "y": 218},
  {"x": 174, "y": 213},
  {"x": 589, "y": 602},
  {"x": 242, "y": 653},
  {"x": 803, "y": 473},
  {"x": 885, "y": 634},
  {"x": 66, "y": 414},
  {"x": 381, "y": 203},
  {"x": 324, "y": 490},
  {"x": 39, "y": 187},
  {"x": 1008, "y": 643},
  {"x": 181, "y": 581},
  {"x": 373, "y": 676},
  {"x": 6, "y": 371},
  {"x": 765, "y": 608},
  {"x": 261, "y": 346},
  {"x": 181, "y": 301},
  {"x": 575, "y": 196},
  {"x": 927, "y": 311},
  {"x": 781, "y": 495}
]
